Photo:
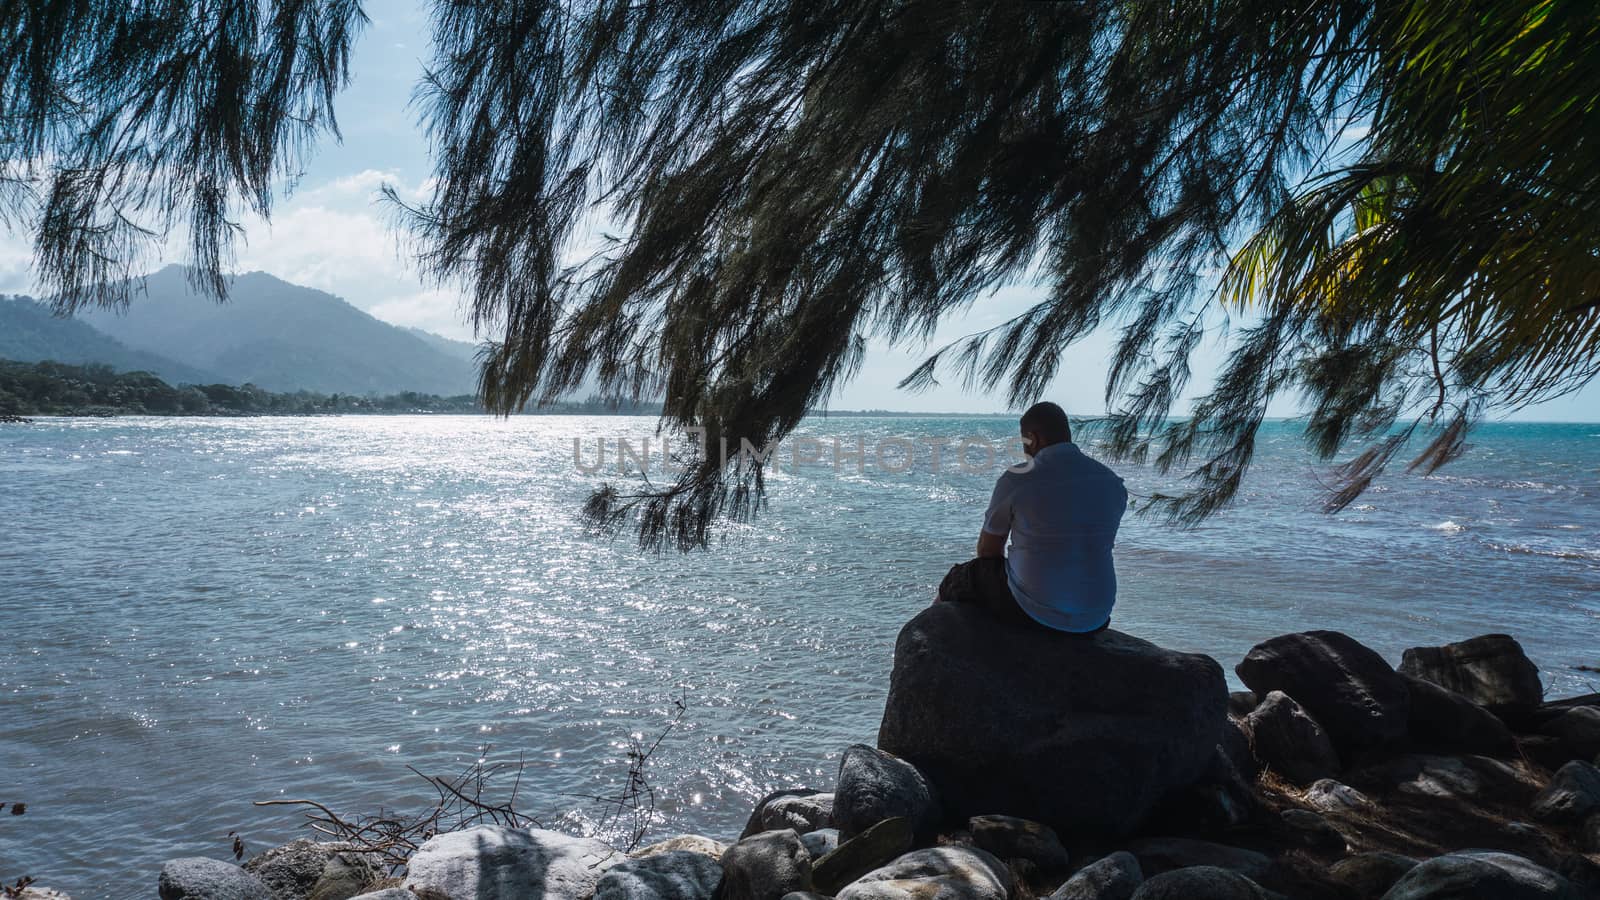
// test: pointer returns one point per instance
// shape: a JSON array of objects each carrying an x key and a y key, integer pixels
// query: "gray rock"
[
  {"x": 802, "y": 810},
  {"x": 32, "y": 892},
  {"x": 1113, "y": 877},
  {"x": 1478, "y": 779},
  {"x": 344, "y": 876},
  {"x": 1490, "y": 670},
  {"x": 1235, "y": 759},
  {"x": 938, "y": 873},
  {"x": 388, "y": 894},
  {"x": 1200, "y": 883},
  {"x": 1352, "y": 693},
  {"x": 291, "y": 872},
  {"x": 674, "y": 875},
  {"x": 869, "y": 850},
  {"x": 491, "y": 862},
  {"x": 1589, "y": 838},
  {"x": 1572, "y": 795},
  {"x": 1328, "y": 795},
  {"x": 821, "y": 842},
  {"x": 1287, "y": 740},
  {"x": 1370, "y": 874},
  {"x": 1164, "y": 854},
  {"x": 1481, "y": 875},
  {"x": 1084, "y": 734},
  {"x": 198, "y": 878},
  {"x": 1009, "y": 837},
  {"x": 875, "y": 785},
  {"x": 1242, "y": 703},
  {"x": 765, "y": 866},
  {"x": 1578, "y": 729},
  {"x": 1443, "y": 719},
  {"x": 1311, "y": 831},
  {"x": 694, "y": 843},
  {"x": 805, "y": 895}
]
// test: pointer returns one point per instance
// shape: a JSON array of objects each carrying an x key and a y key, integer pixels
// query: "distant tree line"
[{"x": 58, "y": 389}]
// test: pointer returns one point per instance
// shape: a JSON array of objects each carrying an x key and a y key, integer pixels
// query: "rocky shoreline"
[{"x": 1016, "y": 765}]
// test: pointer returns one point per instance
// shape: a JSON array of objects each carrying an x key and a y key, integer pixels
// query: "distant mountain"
[
  {"x": 30, "y": 333},
  {"x": 463, "y": 349},
  {"x": 283, "y": 337}
]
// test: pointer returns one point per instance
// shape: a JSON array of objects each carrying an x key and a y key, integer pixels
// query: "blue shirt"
[{"x": 1062, "y": 513}]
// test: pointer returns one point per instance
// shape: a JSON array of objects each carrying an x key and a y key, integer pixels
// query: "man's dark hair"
[{"x": 1049, "y": 420}]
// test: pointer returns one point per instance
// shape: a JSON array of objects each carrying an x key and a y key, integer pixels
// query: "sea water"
[{"x": 200, "y": 613}]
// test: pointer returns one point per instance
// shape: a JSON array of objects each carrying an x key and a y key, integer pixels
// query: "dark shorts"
[{"x": 982, "y": 582}]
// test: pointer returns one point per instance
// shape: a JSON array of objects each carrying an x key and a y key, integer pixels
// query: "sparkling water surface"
[{"x": 199, "y": 613}]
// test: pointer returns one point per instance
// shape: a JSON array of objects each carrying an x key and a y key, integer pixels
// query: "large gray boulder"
[
  {"x": 492, "y": 862},
  {"x": 765, "y": 866},
  {"x": 1083, "y": 733},
  {"x": 938, "y": 873},
  {"x": 674, "y": 875},
  {"x": 1113, "y": 877},
  {"x": 1200, "y": 883},
  {"x": 1481, "y": 875},
  {"x": 1572, "y": 795},
  {"x": 1287, "y": 740},
  {"x": 1445, "y": 720},
  {"x": 1490, "y": 670},
  {"x": 1348, "y": 688},
  {"x": 198, "y": 878},
  {"x": 874, "y": 786}
]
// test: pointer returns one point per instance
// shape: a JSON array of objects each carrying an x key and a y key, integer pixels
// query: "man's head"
[{"x": 1042, "y": 425}]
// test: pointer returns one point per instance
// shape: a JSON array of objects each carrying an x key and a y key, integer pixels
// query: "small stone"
[
  {"x": 1287, "y": 740},
  {"x": 874, "y": 785},
  {"x": 1113, "y": 877},
  {"x": 1471, "y": 874},
  {"x": 674, "y": 875},
  {"x": 1200, "y": 883},
  {"x": 1370, "y": 874},
  {"x": 871, "y": 849},
  {"x": 766, "y": 866},
  {"x": 198, "y": 878},
  {"x": 1009, "y": 837},
  {"x": 344, "y": 876},
  {"x": 1572, "y": 795},
  {"x": 1312, "y": 831},
  {"x": 694, "y": 843},
  {"x": 802, "y": 810},
  {"x": 821, "y": 842},
  {"x": 1242, "y": 703},
  {"x": 1328, "y": 795},
  {"x": 1590, "y": 838},
  {"x": 392, "y": 893},
  {"x": 1578, "y": 729},
  {"x": 1164, "y": 854},
  {"x": 946, "y": 873},
  {"x": 32, "y": 892}
]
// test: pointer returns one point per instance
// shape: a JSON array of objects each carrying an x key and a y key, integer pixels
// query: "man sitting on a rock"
[{"x": 1061, "y": 510}]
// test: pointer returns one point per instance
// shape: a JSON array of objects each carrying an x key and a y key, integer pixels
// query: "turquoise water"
[{"x": 198, "y": 613}]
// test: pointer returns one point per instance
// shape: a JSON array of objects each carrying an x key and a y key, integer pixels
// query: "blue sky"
[{"x": 331, "y": 234}]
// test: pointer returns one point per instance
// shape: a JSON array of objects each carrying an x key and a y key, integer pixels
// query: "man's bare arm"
[{"x": 991, "y": 545}]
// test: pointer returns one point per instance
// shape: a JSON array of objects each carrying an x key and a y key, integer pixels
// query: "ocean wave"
[
  {"x": 1448, "y": 526},
  {"x": 1552, "y": 552}
]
